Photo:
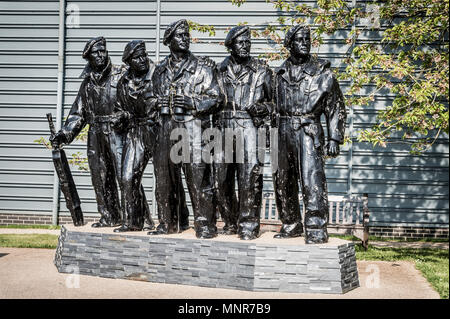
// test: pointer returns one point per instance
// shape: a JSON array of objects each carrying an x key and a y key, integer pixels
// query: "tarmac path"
[{"x": 30, "y": 273}]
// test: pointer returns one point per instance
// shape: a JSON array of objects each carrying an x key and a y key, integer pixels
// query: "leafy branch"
[
  {"x": 409, "y": 64},
  {"x": 76, "y": 159}
]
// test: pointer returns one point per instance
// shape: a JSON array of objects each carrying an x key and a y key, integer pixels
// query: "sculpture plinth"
[{"x": 264, "y": 264}]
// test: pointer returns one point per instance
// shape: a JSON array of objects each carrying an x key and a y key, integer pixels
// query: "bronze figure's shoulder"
[{"x": 322, "y": 64}]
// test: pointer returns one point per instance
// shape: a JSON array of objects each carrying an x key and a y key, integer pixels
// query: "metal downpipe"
[{"x": 59, "y": 102}]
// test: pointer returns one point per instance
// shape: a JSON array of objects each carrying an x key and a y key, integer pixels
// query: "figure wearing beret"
[
  {"x": 137, "y": 118},
  {"x": 94, "y": 105},
  {"x": 186, "y": 92},
  {"x": 247, "y": 85},
  {"x": 306, "y": 89}
]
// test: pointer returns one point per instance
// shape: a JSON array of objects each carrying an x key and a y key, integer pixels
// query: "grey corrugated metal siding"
[
  {"x": 28, "y": 70},
  {"x": 403, "y": 189}
]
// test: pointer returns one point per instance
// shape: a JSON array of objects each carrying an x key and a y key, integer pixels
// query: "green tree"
[{"x": 410, "y": 61}]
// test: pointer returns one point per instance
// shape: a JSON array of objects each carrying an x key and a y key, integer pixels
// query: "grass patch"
[
  {"x": 29, "y": 240},
  {"x": 423, "y": 240},
  {"x": 31, "y": 226},
  {"x": 432, "y": 263},
  {"x": 386, "y": 239}
]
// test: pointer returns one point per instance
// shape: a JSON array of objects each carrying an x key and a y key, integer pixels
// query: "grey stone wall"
[{"x": 207, "y": 263}]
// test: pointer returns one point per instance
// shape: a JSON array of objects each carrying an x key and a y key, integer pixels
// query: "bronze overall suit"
[
  {"x": 139, "y": 117},
  {"x": 303, "y": 93},
  {"x": 248, "y": 99},
  {"x": 197, "y": 82},
  {"x": 139, "y": 140},
  {"x": 94, "y": 106}
]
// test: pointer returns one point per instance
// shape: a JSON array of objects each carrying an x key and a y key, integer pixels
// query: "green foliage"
[
  {"x": 194, "y": 26},
  {"x": 29, "y": 240},
  {"x": 43, "y": 142},
  {"x": 410, "y": 62},
  {"x": 80, "y": 161},
  {"x": 390, "y": 239},
  {"x": 77, "y": 159},
  {"x": 436, "y": 273},
  {"x": 237, "y": 2},
  {"x": 23, "y": 226},
  {"x": 433, "y": 263}
]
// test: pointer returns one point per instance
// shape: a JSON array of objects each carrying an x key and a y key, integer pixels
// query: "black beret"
[
  {"x": 90, "y": 44},
  {"x": 171, "y": 29},
  {"x": 292, "y": 31},
  {"x": 131, "y": 47},
  {"x": 235, "y": 32}
]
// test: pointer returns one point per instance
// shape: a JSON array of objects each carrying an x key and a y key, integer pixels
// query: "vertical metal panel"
[
  {"x": 28, "y": 78},
  {"x": 59, "y": 102},
  {"x": 403, "y": 189}
]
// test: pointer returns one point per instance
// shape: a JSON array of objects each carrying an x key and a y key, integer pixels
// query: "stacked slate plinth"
[{"x": 264, "y": 264}]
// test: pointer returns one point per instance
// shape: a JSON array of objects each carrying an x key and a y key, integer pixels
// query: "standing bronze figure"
[
  {"x": 94, "y": 105},
  {"x": 137, "y": 119},
  {"x": 247, "y": 84},
  {"x": 186, "y": 93},
  {"x": 306, "y": 88}
]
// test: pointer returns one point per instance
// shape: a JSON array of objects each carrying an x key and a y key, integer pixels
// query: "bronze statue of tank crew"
[
  {"x": 137, "y": 117},
  {"x": 94, "y": 105},
  {"x": 186, "y": 92},
  {"x": 136, "y": 120},
  {"x": 305, "y": 89},
  {"x": 247, "y": 86}
]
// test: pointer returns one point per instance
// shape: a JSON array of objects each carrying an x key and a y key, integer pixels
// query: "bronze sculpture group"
[{"x": 133, "y": 109}]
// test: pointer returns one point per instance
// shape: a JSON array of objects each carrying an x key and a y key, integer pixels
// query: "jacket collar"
[
  {"x": 310, "y": 67},
  {"x": 88, "y": 72},
  {"x": 229, "y": 61},
  {"x": 189, "y": 65}
]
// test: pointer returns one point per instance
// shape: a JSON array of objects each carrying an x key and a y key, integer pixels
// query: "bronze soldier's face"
[
  {"x": 301, "y": 43},
  {"x": 98, "y": 57},
  {"x": 139, "y": 61},
  {"x": 241, "y": 46},
  {"x": 180, "y": 40}
]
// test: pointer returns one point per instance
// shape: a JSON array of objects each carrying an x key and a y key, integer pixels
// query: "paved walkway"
[{"x": 30, "y": 273}]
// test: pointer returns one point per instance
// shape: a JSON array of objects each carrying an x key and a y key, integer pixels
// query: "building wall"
[
  {"x": 28, "y": 81},
  {"x": 404, "y": 190}
]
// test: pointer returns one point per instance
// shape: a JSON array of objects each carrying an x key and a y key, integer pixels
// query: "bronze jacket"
[
  {"x": 132, "y": 99},
  {"x": 251, "y": 87},
  {"x": 194, "y": 79},
  {"x": 310, "y": 93},
  {"x": 95, "y": 101}
]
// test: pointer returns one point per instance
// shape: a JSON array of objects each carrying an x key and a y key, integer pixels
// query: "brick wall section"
[
  {"x": 26, "y": 219},
  {"x": 385, "y": 231},
  {"x": 408, "y": 232}
]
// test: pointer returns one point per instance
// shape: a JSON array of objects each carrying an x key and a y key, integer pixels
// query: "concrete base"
[{"x": 264, "y": 264}]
